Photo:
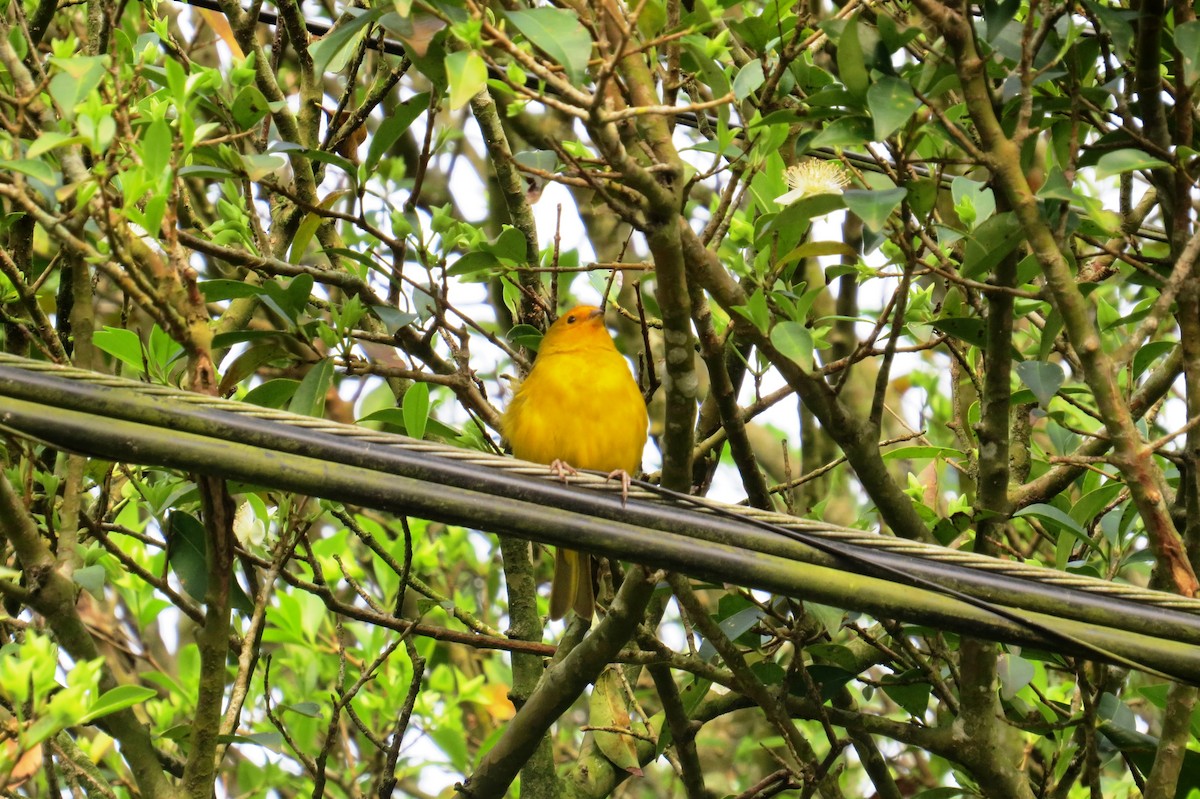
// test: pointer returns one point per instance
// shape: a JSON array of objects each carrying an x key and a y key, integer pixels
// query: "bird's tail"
[{"x": 572, "y": 585}]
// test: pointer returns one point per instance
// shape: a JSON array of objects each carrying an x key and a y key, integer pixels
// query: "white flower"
[
  {"x": 248, "y": 528},
  {"x": 812, "y": 177}
]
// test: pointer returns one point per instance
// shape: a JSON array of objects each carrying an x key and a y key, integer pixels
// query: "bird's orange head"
[{"x": 580, "y": 328}]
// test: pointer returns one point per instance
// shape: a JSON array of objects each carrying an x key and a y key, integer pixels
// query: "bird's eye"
[{"x": 571, "y": 319}]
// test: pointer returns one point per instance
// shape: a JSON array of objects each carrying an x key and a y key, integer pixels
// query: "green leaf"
[
  {"x": 652, "y": 19},
  {"x": 248, "y": 362},
  {"x": 1157, "y": 695},
  {"x": 304, "y": 234},
  {"x": 361, "y": 258},
  {"x": 830, "y": 617},
  {"x": 705, "y": 67},
  {"x": 1091, "y": 503},
  {"x": 223, "y": 341},
  {"x": 794, "y": 341},
  {"x": 52, "y": 141},
  {"x": 185, "y": 553},
  {"x": 269, "y": 739},
  {"x": 122, "y": 344},
  {"x": 452, "y": 743},
  {"x": 559, "y": 34},
  {"x": 163, "y": 350},
  {"x": 891, "y": 103},
  {"x": 310, "y": 709},
  {"x": 608, "y": 707},
  {"x": 829, "y": 679},
  {"x": 1054, "y": 518},
  {"x": 395, "y": 417},
  {"x": 755, "y": 311},
  {"x": 296, "y": 294},
  {"x": 151, "y": 220},
  {"x": 177, "y": 732},
  {"x": 845, "y": 131},
  {"x": 1187, "y": 39},
  {"x": 968, "y": 329},
  {"x": 990, "y": 243},
  {"x": 769, "y": 672},
  {"x": 790, "y": 223},
  {"x": 734, "y": 626},
  {"x": 206, "y": 172},
  {"x": 1054, "y": 324},
  {"x": 118, "y": 698},
  {"x": 78, "y": 78},
  {"x": 509, "y": 246},
  {"x": 783, "y": 116},
  {"x": 905, "y": 691},
  {"x": 997, "y": 14},
  {"x": 467, "y": 75},
  {"x": 1141, "y": 748},
  {"x": 748, "y": 79},
  {"x": 918, "y": 453},
  {"x": 249, "y": 107},
  {"x": 260, "y": 165},
  {"x": 291, "y": 300},
  {"x": 1149, "y": 354},
  {"x": 333, "y": 50},
  {"x": 393, "y": 127},
  {"x": 156, "y": 148},
  {"x": 852, "y": 65},
  {"x": 91, "y": 579},
  {"x": 393, "y": 318},
  {"x": 1115, "y": 22},
  {"x": 222, "y": 289},
  {"x": 477, "y": 265},
  {"x": 545, "y": 160},
  {"x": 39, "y": 170},
  {"x": 416, "y": 409},
  {"x": 874, "y": 206},
  {"x": 1056, "y": 187},
  {"x": 1015, "y": 672},
  {"x": 1043, "y": 378},
  {"x": 973, "y": 201},
  {"x": 526, "y": 336},
  {"x": 309, "y": 399},
  {"x": 815, "y": 249},
  {"x": 1125, "y": 160},
  {"x": 273, "y": 393},
  {"x": 324, "y": 156}
]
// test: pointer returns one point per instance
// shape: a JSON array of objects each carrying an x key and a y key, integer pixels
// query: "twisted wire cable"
[{"x": 844, "y": 535}]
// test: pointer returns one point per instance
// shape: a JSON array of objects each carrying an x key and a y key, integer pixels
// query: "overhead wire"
[
  {"x": 117, "y": 418},
  {"x": 124, "y": 407}
]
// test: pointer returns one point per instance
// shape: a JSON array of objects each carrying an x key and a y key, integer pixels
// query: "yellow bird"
[{"x": 579, "y": 407}]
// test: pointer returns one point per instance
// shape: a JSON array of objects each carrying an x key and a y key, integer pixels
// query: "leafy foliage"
[{"x": 963, "y": 237}]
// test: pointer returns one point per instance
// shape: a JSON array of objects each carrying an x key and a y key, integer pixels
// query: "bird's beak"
[{"x": 599, "y": 312}]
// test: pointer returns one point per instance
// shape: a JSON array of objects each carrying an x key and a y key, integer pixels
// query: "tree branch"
[
  {"x": 1145, "y": 480},
  {"x": 559, "y": 688}
]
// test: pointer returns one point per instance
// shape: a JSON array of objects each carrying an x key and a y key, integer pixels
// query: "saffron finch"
[{"x": 579, "y": 408}]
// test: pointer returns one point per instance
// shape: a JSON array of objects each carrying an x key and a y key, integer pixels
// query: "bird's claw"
[
  {"x": 626, "y": 480},
  {"x": 561, "y": 469}
]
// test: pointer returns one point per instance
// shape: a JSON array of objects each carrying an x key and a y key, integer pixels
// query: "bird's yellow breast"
[{"x": 581, "y": 406}]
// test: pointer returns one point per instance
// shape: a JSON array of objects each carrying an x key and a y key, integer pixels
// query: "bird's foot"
[
  {"x": 561, "y": 469},
  {"x": 623, "y": 476}
]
